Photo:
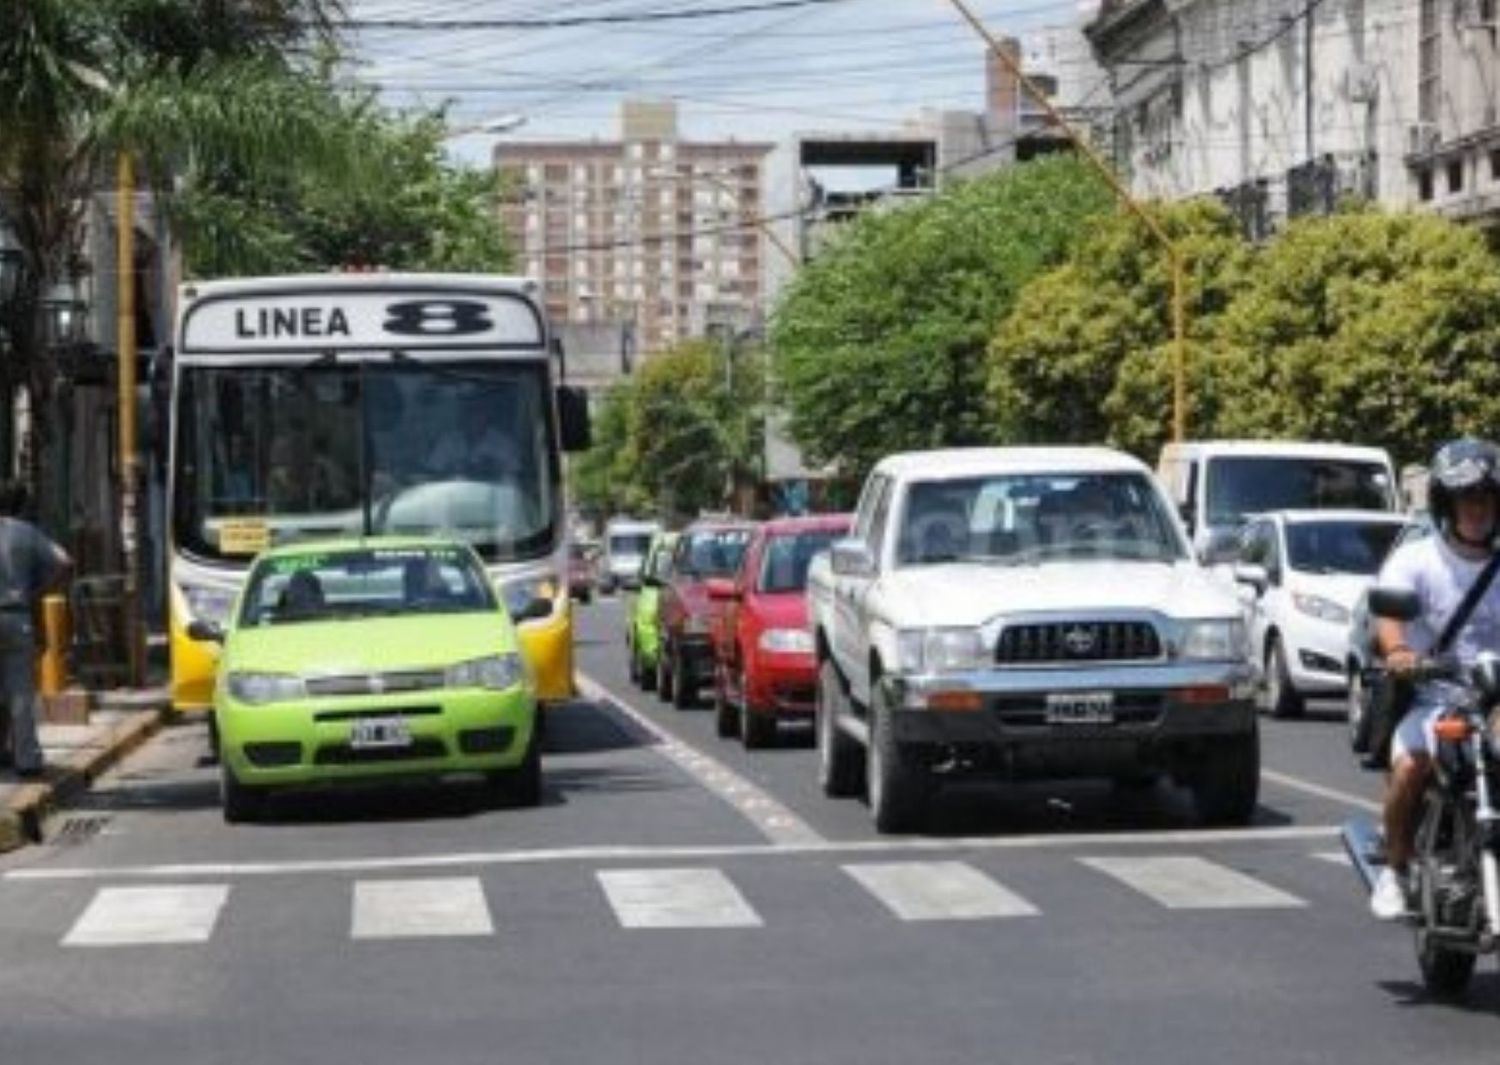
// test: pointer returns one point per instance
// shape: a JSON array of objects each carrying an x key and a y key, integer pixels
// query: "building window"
[
  {"x": 1456, "y": 175},
  {"x": 1429, "y": 61},
  {"x": 1495, "y": 164},
  {"x": 1424, "y": 185}
]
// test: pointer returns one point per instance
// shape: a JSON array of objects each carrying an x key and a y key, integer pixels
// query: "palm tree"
[{"x": 198, "y": 89}]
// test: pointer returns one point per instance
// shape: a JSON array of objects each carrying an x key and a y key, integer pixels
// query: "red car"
[
  {"x": 684, "y": 615},
  {"x": 764, "y": 667}
]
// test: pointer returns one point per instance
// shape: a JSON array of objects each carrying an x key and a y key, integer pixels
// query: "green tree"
[
  {"x": 606, "y": 478},
  {"x": 1382, "y": 328},
  {"x": 1086, "y": 356},
  {"x": 879, "y": 343}
]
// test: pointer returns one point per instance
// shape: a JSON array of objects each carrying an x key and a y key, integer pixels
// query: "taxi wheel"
[
  {"x": 522, "y": 786},
  {"x": 645, "y": 676},
  {"x": 242, "y": 803}
]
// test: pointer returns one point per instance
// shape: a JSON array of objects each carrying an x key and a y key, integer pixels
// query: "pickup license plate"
[
  {"x": 1081, "y": 708},
  {"x": 373, "y": 732}
]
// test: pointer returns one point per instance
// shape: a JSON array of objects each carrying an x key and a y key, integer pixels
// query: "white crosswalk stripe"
[
  {"x": 938, "y": 891},
  {"x": 133, "y": 916},
  {"x": 407, "y": 909},
  {"x": 676, "y": 898},
  {"x": 1188, "y": 883}
]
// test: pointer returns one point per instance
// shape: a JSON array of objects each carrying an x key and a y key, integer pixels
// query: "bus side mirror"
[{"x": 573, "y": 418}]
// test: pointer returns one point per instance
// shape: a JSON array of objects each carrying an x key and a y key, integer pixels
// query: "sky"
[{"x": 795, "y": 65}]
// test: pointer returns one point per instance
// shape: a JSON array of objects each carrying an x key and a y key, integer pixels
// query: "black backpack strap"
[{"x": 1471, "y": 599}]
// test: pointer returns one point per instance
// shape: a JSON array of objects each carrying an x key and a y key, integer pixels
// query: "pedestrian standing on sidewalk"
[{"x": 31, "y": 565}]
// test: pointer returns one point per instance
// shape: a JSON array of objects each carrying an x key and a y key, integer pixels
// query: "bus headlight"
[
  {"x": 206, "y": 603},
  {"x": 258, "y": 689},
  {"x": 494, "y": 673}
]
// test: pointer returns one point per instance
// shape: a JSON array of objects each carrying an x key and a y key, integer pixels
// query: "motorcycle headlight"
[
  {"x": 946, "y": 650},
  {"x": 493, "y": 672},
  {"x": 786, "y": 641},
  {"x": 519, "y": 595},
  {"x": 1214, "y": 641},
  {"x": 258, "y": 689},
  {"x": 206, "y": 603},
  {"x": 1315, "y": 606}
]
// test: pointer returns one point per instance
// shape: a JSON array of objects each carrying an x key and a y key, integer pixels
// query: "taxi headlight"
[
  {"x": 519, "y": 595},
  {"x": 493, "y": 672},
  {"x": 786, "y": 641},
  {"x": 258, "y": 689},
  {"x": 1315, "y": 606},
  {"x": 944, "y": 650},
  {"x": 206, "y": 603},
  {"x": 1214, "y": 641}
]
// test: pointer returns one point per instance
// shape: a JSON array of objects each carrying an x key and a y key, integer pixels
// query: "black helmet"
[{"x": 1461, "y": 465}]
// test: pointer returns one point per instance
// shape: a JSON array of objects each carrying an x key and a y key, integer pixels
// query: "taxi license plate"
[
  {"x": 374, "y": 732},
  {"x": 1081, "y": 708}
]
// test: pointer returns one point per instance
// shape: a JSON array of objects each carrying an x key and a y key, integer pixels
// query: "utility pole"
[
  {"x": 1174, "y": 254},
  {"x": 135, "y": 643}
]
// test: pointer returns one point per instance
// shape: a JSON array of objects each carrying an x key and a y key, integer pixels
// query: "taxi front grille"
[
  {"x": 392, "y": 683},
  {"x": 343, "y": 754},
  {"x": 1078, "y": 641}
]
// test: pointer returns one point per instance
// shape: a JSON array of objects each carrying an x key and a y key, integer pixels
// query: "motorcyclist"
[{"x": 1464, "y": 499}]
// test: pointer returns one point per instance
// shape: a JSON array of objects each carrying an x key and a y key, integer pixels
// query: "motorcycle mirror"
[
  {"x": 1485, "y": 676},
  {"x": 1395, "y": 604}
]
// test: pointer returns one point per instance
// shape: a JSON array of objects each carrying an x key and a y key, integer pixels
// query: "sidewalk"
[{"x": 118, "y": 722}]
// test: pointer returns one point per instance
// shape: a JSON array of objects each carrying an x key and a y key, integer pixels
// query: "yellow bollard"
[{"x": 52, "y": 662}]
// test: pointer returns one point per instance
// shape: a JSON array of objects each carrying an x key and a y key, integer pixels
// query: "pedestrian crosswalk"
[{"x": 396, "y": 907}]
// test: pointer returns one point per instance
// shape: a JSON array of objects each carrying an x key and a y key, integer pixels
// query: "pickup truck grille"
[{"x": 1077, "y": 641}]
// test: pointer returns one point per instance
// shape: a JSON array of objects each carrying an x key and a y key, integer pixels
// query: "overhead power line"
[{"x": 569, "y": 21}]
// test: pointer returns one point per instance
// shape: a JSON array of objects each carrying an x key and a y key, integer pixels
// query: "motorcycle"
[{"x": 1454, "y": 877}]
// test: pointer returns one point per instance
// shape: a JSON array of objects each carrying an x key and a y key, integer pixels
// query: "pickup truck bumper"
[{"x": 1157, "y": 717}]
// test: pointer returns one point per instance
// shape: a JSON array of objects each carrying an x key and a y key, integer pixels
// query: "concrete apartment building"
[
  {"x": 1283, "y": 107},
  {"x": 649, "y": 239}
]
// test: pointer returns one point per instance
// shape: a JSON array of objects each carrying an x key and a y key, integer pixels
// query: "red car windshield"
[{"x": 784, "y": 566}]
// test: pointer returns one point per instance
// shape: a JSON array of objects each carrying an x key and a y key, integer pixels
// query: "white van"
[
  {"x": 625, "y": 544},
  {"x": 1216, "y": 484}
]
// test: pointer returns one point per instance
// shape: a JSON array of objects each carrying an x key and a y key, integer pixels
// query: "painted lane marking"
[
  {"x": 777, "y": 822},
  {"x": 1182, "y": 882},
  {"x": 543, "y": 856},
  {"x": 1298, "y": 784},
  {"x": 131, "y": 916},
  {"x": 939, "y": 891},
  {"x": 407, "y": 909},
  {"x": 676, "y": 898}
]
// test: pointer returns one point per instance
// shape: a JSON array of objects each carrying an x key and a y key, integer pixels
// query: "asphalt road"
[{"x": 677, "y": 899}]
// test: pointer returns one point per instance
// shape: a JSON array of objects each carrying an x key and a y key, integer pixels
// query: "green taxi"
[
  {"x": 353, "y": 660},
  {"x": 642, "y": 637}
]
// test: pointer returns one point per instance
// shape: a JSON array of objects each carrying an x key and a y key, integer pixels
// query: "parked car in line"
[
  {"x": 707, "y": 548},
  {"x": 365, "y": 659},
  {"x": 581, "y": 571},
  {"x": 1216, "y": 484},
  {"x": 1304, "y": 572},
  {"x": 625, "y": 544},
  {"x": 764, "y": 668},
  {"x": 1026, "y": 613},
  {"x": 1361, "y": 658},
  {"x": 642, "y": 629}
]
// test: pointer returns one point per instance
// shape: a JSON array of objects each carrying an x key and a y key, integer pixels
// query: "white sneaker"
[{"x": 1388, "y": 899}]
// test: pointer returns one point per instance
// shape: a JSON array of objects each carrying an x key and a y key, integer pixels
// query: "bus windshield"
[{"x": 315, "y": 450}]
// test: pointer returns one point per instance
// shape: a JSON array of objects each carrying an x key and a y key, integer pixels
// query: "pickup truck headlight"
[
  {"x": 493, "y": 672},
  {"x": 206, "y": 603},
  {"x": 948, "y": 650},
  {"x": 1214, "y": 641},
  {"x": 258, "y": 689},
  {"x": 1315, "y": 606},
  {"x": 786, "y": 641}
]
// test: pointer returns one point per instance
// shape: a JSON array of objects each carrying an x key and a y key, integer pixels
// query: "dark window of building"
[
  {"x": 1424, "y": 185},
  {"x": 1456, "y": 175},
  {"x": 1495, "y": 164}
]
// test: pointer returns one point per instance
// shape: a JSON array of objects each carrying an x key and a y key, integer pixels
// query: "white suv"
[{"x": 1026, "y": 613}]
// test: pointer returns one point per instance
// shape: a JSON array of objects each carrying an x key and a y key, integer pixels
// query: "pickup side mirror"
[
  {"x": 851, "y": 558},
  {"x": 573, "y": 418},
  {"x": 1394, "y": 604},
  {"x": 1254, "y": 576},
  {"x": 205, "y": 631},
  {"x": 722, "y": 591}
]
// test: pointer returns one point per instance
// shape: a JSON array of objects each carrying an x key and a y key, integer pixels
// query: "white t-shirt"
[{"x": 1441, "y": 578}]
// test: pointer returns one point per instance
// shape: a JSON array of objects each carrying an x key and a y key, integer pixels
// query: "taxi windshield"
[{"x": 374, "y": 582}]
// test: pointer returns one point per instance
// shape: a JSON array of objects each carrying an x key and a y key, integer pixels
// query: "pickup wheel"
[
  {"x": 726, "y": 718},
  {"x": 1228, "y": 781},
  {"x": 839, "y": 766},
  {"x": 1282, "y": 698},
  {"x": 898, "y": 787}
]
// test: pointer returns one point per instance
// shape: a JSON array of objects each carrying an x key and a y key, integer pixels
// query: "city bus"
[{"x": 369, "y": 404}]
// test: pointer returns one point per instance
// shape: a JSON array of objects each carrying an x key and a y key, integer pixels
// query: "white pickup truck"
[{"x": 1027, "y": 613}]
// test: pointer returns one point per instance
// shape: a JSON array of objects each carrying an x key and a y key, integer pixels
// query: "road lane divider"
[{"x": 1286, "y": 780}]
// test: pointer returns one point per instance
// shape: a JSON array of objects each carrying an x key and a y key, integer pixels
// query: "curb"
[{"x": 23, "y": 813}]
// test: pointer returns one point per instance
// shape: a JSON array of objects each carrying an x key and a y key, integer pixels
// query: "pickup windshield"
[{"x": 1020, "y": 518}]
